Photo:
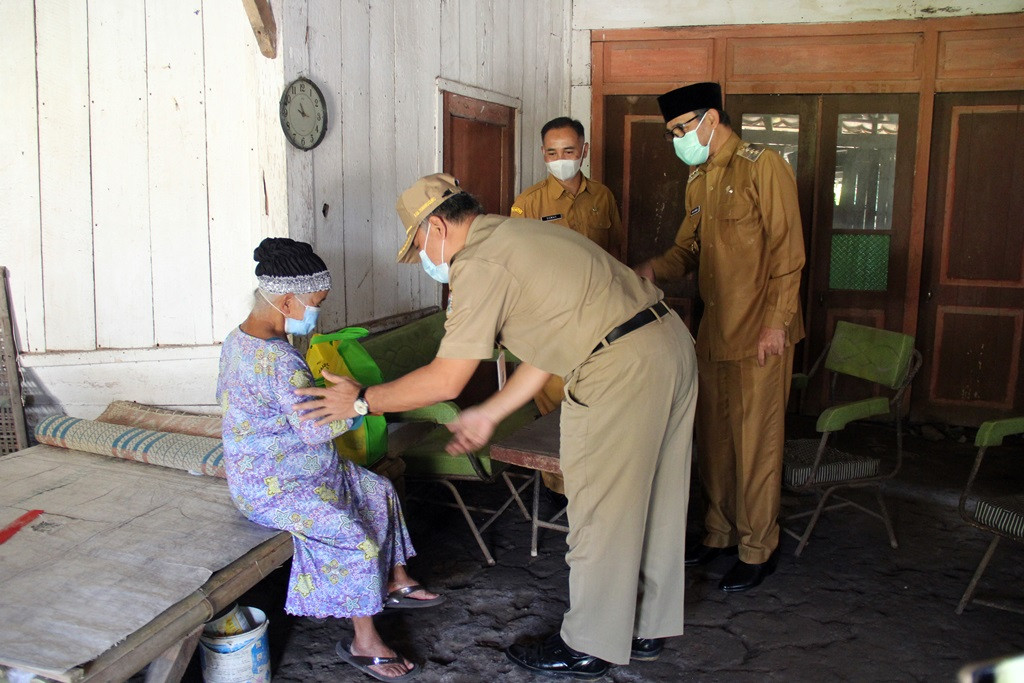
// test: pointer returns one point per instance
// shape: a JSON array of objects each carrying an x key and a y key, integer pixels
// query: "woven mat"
[{"x": 195, "y": 454}]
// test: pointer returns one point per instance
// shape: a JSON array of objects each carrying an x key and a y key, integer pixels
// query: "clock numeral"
[
  {"x": 291, "y": 91},
  {"x": 319, "y": 116},
  {"x": 302, "y": 87}
]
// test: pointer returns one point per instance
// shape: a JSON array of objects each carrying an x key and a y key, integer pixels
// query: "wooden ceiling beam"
[{"x": 261, "y": 16}]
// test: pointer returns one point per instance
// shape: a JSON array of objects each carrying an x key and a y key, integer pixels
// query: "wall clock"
[{"x": 303, "y": 114}]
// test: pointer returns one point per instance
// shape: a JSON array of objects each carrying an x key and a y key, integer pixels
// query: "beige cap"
[{"x": 425, "y": 195}]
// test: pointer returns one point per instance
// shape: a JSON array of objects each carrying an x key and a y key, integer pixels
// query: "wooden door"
[
  {"x": 649, "y": 181},
  {"x": 479, "y": 149},
  {"x": 972, "y": 298}
]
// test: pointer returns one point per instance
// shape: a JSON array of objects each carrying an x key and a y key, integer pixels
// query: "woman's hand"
[
  {"x": 329, "y": 403},
  {"x": 472, "y": 430}
]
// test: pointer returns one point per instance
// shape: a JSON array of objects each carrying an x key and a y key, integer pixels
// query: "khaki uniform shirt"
[
  {"x": 548, "y": 294},
  {"x": 742, "y": 229},
  {"x": 592, "y": 212}
]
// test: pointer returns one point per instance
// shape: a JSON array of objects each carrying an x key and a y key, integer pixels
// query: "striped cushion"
[
  {"x": 196, "y": 454},
  {"x": 1005, "y": 513},
  {"x": 835, "y": 466}
]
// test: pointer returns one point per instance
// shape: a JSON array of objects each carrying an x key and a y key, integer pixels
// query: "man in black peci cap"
[{"x": 742, "y": 232}]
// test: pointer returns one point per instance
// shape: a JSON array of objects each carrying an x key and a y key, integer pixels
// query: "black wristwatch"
[{"x": 360, "y": 405}]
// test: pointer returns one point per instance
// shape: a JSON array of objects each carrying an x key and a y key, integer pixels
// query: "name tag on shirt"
[
  {"x": 695, "y": 211},
  {"x": 552, "y": 217}
]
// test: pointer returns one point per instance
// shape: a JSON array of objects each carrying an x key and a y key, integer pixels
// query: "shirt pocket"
[
  {"x": 598, "y": 228},
  {"x": 738, "y": 224}
]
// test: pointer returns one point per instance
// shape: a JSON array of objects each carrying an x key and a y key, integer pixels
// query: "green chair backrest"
[
  {"x": 870, "y": 353},
  {"x": 403, "y": 349}
]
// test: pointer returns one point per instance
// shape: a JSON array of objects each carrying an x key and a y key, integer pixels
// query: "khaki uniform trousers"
[
  {"x": 626, "y": 443},
  {"x": 741, "y": 418},
  {"x": 547, "y": 400}
]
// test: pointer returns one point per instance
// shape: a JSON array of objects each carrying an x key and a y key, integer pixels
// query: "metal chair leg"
[
  {"x": 977, "y": 575},
  {"x": 814, "y": 520},
  {"x": 515, "y": 493},
  {"x": 885, "y": 518},
  {"x": 536, "y": 513},
  {"x": 469, "y": 521}
]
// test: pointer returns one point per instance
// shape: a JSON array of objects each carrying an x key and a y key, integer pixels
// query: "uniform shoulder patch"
[
  {"x": 749, "y": 151},
  {"x": 517, "y": 211}
]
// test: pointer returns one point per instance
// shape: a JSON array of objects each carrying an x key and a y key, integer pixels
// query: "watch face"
[
  {"x": 303, "y": 114},
  {"x": 361, "y": 406}
]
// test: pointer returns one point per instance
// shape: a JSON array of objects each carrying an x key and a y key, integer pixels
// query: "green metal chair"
[
  {"x": 1000, "y": 515},
  {"x": 885, "y": 359},
  {"x": 419, "y": 436}
]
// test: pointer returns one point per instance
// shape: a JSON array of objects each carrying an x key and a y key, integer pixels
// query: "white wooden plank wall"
[
  {"x": 325, "y": 26},
  {"x": 357, "y": 184},
  {"x": 177, "y": 174},
  {"x": 391, "y": 53},
  {"x": 234, "y": 178},
  {"x": 64, "y": 178},
  {"x": 20, "y": 245},
  {"x": 387, "y": 285},
  {"x": 118, "y": 123}
]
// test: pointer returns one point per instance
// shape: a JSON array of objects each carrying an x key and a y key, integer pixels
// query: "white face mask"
[{"x": 564, "y": 169}]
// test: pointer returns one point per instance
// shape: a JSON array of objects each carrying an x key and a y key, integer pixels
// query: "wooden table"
[{"x": 534, "y": 447}]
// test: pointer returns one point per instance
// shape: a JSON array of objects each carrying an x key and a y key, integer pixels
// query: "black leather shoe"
[
  {"x": 702, "y": 554},
  {"x": 554, "y": 658},
  {"x": 744, "y": 576},
  {"x": 646, "y": 649}
]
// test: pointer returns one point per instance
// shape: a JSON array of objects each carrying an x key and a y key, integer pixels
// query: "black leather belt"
[{"x": 645, "y": 316}]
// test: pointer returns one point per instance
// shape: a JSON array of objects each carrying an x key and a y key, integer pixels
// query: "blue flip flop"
[{"x": 344, "y": 650}]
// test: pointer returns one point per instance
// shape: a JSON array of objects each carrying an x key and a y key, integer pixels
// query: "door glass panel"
[
  {"x": 776, "y": 131},
  {"x": 864, "y": 186}
]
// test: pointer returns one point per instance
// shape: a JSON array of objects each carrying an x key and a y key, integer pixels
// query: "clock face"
[{"x": 303, "y": 114}]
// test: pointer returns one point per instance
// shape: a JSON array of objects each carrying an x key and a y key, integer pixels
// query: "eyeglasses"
[{"x": 679, "y": 130}]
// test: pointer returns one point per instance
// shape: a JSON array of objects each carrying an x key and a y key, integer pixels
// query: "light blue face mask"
[
  {"x": 436, "y": 272},
  {"x": 300, "y": 327},
  {"x": 689, "y": 149}
]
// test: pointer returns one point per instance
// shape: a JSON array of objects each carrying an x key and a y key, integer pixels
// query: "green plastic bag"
[{"x": 341, "y": 354}]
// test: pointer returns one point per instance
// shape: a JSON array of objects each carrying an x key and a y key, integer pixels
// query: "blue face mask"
[
  {"x": 436, "y": 272},
  {"x": 300, "y": 327},
  {"x": 689, "y": 149}
]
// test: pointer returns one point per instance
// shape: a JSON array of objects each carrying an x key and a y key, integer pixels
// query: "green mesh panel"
[{"x": 859, "y": 262}]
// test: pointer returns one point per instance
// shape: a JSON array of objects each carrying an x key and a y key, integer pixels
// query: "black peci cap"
[{"x": 690, "y": 98}]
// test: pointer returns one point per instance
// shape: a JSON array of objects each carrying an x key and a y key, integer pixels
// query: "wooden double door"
[{"x": 853, "y": 158}]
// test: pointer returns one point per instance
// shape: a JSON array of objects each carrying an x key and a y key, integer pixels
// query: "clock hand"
[{"x": 303, "y": 112}]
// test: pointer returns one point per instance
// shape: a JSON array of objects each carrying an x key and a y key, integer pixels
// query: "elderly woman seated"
[{"x": 351, "y": 543}]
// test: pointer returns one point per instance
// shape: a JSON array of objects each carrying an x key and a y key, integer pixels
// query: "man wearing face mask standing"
[
  {"x": 563, "y": 306},
  {"x": 742, "y": 231},
  {"x": 567, "y": 197}
]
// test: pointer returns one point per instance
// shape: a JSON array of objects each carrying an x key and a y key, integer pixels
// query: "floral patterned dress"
[{"x": 346, "y": 521}]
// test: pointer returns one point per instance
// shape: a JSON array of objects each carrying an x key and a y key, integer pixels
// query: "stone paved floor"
[{"x": 850, "y": 609}]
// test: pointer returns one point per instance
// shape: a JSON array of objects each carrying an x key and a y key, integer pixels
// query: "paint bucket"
[
  {"x": 236, "y": 658},
  {"x": 229, "y": 622}
]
